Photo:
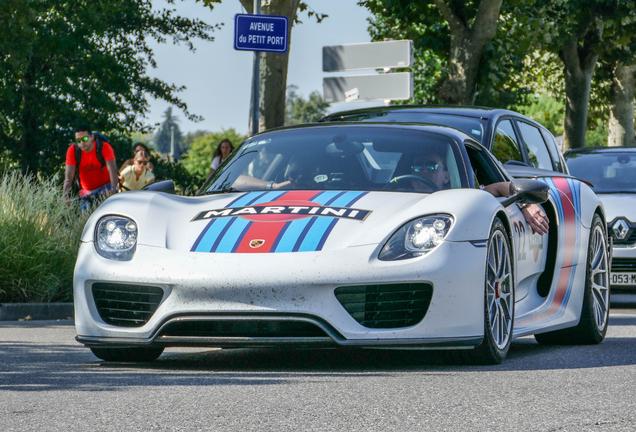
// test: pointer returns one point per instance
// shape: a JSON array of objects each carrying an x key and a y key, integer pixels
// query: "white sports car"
[
  {"x": 612, "y": 173},
  {"x": 345, "y": 235}
]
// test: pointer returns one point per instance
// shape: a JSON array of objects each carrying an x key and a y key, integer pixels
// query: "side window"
[
  {"x": 484, "y": 170},
  {"x": 554, "y": 150},
  {"x": 535, "y": 146},
  {"x": 506, "y": 146}
]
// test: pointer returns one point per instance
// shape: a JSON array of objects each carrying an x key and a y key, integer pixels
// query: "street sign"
[
  {"x": 266, "y": 33},
  {"x": 373, "y": 55},
  {"x": 393, "y": 86}
]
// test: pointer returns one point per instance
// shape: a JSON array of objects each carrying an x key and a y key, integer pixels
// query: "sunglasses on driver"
[{"x": 431, "y": 166}]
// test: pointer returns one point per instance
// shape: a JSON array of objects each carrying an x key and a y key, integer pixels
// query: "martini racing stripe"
[
  {"x": 211, "y": 234},
  {"x": 236, "y": 234},
  {"x": 322, "y": 226},
  {"x": 267, "y": 231},
  {"x": 566, "y": 196}
]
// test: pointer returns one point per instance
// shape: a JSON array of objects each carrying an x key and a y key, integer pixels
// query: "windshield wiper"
[{"x": 222, "y": 191}]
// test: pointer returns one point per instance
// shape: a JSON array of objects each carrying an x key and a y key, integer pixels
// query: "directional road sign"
[
  {"x": 261, "y": 33},
  {"x": 373, "y": 55},
  {"x": 394, "y": 86}
]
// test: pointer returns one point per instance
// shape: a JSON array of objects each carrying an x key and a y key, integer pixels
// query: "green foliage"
[
  {"x": 186, "y": 182},
  {"x": 299, "y": 110},
  {"x": 547, "y": 111},
  {"x": 198, "y": 159},
  {"x": 39, "y": 240},
  {"x": 145, "y": 138},
  {"x": 68, "y": 62},
  {"x": 189, "y": 138},
  {"x": 597, "y": 134},
  {"x": 497, "y": 82}
]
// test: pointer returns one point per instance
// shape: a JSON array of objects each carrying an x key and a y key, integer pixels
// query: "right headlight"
[
  {"x": 116, "y": 238},
  {"x": 417, "y": 238}
]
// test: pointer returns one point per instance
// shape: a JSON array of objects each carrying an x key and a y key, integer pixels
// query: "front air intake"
[
  {"x": 126, "y": 305},
  {"x": 386, "y": 306}
]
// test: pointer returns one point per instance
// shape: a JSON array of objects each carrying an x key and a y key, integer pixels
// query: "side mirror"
[
  {"x": 527, "y": 191},
  {"x": 166, "y": 186}
]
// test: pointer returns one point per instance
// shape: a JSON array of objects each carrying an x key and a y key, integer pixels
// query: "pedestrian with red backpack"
[{"x": 90, "y": 161}]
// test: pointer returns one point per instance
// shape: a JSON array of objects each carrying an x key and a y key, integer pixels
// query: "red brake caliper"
[{"x": 497, "y": 289}]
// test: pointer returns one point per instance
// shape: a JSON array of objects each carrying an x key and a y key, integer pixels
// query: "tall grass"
[{"x": 39, "y": 239}]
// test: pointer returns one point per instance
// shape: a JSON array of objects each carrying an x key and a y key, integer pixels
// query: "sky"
[{"x": 219, "y": 78}]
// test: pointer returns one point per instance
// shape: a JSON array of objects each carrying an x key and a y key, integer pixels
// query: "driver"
[{"x": 430, "y": 167}]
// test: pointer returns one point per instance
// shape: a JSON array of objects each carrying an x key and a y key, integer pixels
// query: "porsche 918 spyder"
[{"x": 346, "y": 235}]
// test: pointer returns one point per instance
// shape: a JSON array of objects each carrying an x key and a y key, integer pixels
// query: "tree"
[
  {"x": 621, "y": 121},
  {"x": 460, "y": 29},
  {"x": 198, "y": 159},
  {"x": 189, "y": 138},
  {"x": 77, "y": 61},
  {"x": 168, "y": 131},
  {"x": 273, "y": 66},
  {"x": 300, "y": 110}
]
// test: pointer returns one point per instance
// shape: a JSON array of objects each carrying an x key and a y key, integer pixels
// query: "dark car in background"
[
  {"x": 612, "y": 173},
  {"x": 511, "y": 137}
]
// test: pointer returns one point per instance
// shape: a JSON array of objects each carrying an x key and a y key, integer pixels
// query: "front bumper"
[{"x": 209, "y": 292}]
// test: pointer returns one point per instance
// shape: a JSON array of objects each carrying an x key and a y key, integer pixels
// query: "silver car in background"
[{"x": 612, "y": 173}]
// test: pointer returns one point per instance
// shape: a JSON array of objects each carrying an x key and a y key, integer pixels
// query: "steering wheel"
[{"x": 423, "y": 180}]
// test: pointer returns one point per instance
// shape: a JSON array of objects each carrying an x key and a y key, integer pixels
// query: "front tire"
[
  {"x": 499, "y": 301},
  {"x": 592, "y": 326},
  {"x": 131, "y": 355}
]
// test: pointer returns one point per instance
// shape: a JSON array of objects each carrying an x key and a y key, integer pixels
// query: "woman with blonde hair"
[{"x": 137, "y": 175}]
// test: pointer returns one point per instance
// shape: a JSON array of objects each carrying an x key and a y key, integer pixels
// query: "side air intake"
[{"x": 386, "y": 306}]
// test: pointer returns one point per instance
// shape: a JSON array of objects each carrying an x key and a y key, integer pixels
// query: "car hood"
[
  {"x": 292, "y": 221},
  {"x": 619, "y": 205}
]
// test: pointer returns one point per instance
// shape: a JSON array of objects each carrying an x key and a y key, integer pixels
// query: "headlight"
[
  {"x": 116, "y": 238},
  {"x": 417, "y": 237}
]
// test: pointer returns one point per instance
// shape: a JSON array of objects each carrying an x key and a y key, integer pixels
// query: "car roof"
[
  {"x": 598, "y": 150},
  {"x": 466, "y": 111},
  {"x": 443, "y": 130}
]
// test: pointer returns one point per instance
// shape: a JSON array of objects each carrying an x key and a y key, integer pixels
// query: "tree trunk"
[
  {"x": 467, "y": 47},
  {"x": 579, "y": 69},
  {"x": 273, "y": 67},
  {"x": 621, "y": 122}
]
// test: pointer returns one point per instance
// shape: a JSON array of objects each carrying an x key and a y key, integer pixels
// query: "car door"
[{"x": 530, "y": 250}]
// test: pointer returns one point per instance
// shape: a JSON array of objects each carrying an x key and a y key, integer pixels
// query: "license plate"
[{"x": 623, "y": 279}]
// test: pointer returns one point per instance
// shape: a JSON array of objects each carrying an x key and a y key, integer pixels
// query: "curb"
[{"x": 35, "y": 311}]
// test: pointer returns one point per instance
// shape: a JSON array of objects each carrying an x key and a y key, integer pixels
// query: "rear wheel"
[
  {"x": 128, "y": 354},
  {"x": 592, "y": 326}
]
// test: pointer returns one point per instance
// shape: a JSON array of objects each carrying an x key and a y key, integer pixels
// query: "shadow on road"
[{"x": 42, "y": 367}]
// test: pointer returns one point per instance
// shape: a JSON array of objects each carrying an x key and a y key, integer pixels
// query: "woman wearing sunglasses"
[{"x": 137, "y": 175}]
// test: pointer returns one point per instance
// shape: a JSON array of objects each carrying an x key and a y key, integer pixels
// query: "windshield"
[
  {"x": 608, "y": 172},
  {"x": 343, "y": 158},
  {"x": 474, "y": 127}
]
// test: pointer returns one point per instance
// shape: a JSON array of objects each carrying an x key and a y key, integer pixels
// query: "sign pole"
[{"x": 256, "y": 79}]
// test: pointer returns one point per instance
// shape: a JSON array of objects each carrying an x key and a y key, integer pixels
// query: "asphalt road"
[{"x": 48, "y": 382}]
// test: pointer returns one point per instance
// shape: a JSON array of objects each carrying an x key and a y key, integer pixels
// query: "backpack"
[{"x": 100, "y": 139}]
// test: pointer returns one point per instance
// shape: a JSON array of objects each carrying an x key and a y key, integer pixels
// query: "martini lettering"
[{"x": 338, "y": 212}]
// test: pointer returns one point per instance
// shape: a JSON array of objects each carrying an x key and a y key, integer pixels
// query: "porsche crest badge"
[{"x": 256, "y": 243}]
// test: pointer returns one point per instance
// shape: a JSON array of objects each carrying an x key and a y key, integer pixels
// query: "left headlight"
[
  {"x": 417, "y": 237},
  {"x": 116, "y": 238}
]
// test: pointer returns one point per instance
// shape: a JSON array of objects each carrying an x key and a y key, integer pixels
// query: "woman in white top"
[
  {"x": 137, "y": 175},
  {"x": 221, "y": 153}
]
